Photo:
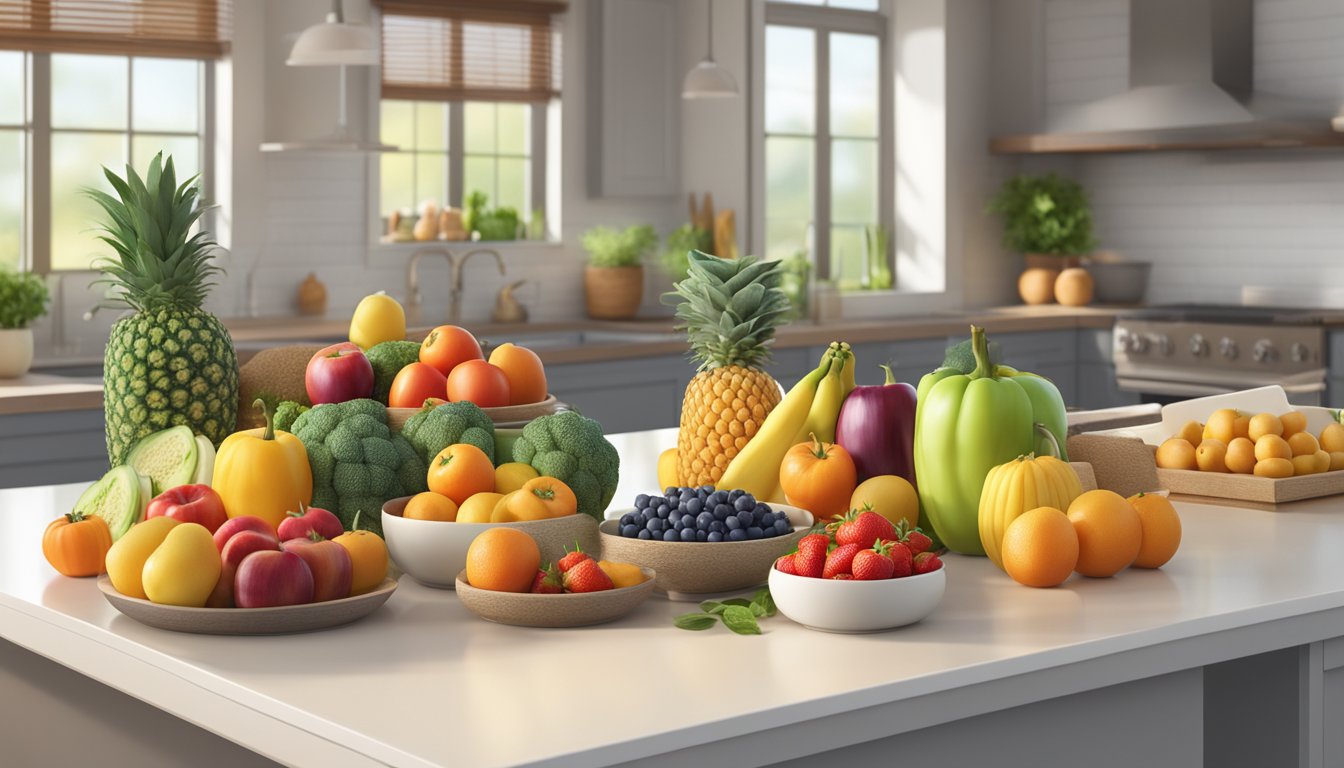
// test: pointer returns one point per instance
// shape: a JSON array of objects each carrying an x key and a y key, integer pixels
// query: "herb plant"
[
  {"x": 607, "y": 247},
  {"x": 23, "y": 298},
  {"x": 675, "y": 258},
  {"x": 1044, "y": 214}
]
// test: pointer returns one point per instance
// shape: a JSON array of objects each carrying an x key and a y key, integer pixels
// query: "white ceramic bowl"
[
  {"x": 857, "y": 606},
  {"x": 433, "y": 552}
]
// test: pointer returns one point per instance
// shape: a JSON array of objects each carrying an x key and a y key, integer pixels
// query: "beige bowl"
[
  {"x": 434, "y": 552},
  {"x": 504, "y": 414},
  {"x": 524, "y": 609},
  {"x": 692, "y": 570}
]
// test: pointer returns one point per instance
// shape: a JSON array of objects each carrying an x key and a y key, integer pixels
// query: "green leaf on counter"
[
  {"x": 740, "y": 620},
  {"x": 695, "y": 621},
  {"x": 765, "y": 600},
  {"x": 713, "y": 607}
]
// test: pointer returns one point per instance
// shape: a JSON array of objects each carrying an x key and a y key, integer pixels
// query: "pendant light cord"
[
  {"x": 709, "y": 11},
  {"x": 337, "y": 14}
]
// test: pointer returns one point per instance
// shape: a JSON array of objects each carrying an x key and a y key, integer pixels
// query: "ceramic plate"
[
  {"x": 523, "y": 609},
  {"x": 249, "y": 621}
]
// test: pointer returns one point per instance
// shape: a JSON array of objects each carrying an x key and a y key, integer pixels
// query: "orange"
[
  {"x": 460, "y": 471},
  {"x": 1176, "y": 453},
  {"x": 1293, "y": 422},
  {"x": 1192, "y": 432},
  {"x": 523, "y": 369},
  {"x": 1336, "y": 460},
  {"x": 1303, "y": 444},
  {"x": 1306, "y": 464},
  {"x": 1240, "y": 456},
  {"x": 1272, "y": 447},
  {"x": 1322, "y": 461},
  {"x": 1040, "y": 548},
  {"x": 477, "y": 509},
  {"x": 1332, "y": 438},
  {"x": 1278, "y": 467},
  {"x": 430, "y": 506},
  {"x": 1221, "y": 425},
  {"x": 1264, "y": 424},
  {"x": 1109, "y": 532},
  {"x": 1211, "y": 456},
  {"x": 1161, "y": 529},
  {"x": 503, "y": 560},
  {"x": 1241, "y": 426}
]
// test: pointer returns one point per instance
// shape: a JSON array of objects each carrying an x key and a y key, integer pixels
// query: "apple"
[
  {"x": 338, "y": 373},
  {"x": 333, "y": 571},
  {"x": 236, "y": 525},
  {"x": 270, "y": 578},
  {"x": 238, "y": 547},
  {"x": 189, "y": 504},
  {"x": 297, "y": 525}
]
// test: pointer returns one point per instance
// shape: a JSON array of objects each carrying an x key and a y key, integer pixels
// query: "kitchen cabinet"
[
  {"x": 1096, "y": 385},
  {"x": 634, "y": 84},
  {"x": 54, "y": 447},
  {"x": 1334, "y": 383}
]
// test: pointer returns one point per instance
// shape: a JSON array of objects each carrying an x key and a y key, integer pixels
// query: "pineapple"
[
  {"x": 170, "y": 362},
  {"x": 729, "y": 309}
]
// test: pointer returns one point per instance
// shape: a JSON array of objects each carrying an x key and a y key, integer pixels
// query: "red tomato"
[
  {"x": 414, "y": 384},
  {"x": 480, "y": 382},
  {"x": 447, "y": 346}
]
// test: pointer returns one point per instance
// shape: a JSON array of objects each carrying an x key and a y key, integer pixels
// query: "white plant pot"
[{"x": 16, "y": 352}]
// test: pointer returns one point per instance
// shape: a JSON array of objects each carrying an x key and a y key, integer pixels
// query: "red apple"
[
  {"x": 338, "y": 373},
  {"x": 238, "y": 547},
  {"x": 236, "y": 525},
  {"x": 189, "y": 504},
  {"x": 271, "y": 578},
  {"x": 333, "y": 571},
  {"x": 297, "y": 525}
]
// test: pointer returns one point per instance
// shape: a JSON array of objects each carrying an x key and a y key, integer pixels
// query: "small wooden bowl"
[
  {"x": 507, "y": 414},
  {"x": 524, "y": 609}
]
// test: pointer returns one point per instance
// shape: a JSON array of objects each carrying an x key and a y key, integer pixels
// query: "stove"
[{"x": 1178, "y": 351}]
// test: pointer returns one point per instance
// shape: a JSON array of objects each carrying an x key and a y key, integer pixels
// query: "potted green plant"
[
  {"x": 675, "y": 258},
  {"x": 614, "y": 278},
  {"x": 23, "y": 299},
  {"x": 1048, "y": 220}
]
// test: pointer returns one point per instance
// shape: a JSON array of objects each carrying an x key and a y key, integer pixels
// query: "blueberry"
[
  {"x": 655, "y": 525},
  {"x": 678, "y": 526},
  {"x": 717, "y": 527},
  {"x": 714, "y": 536},
  {"x": 737, "y": 534},
  {"x": 670, "y": 490},
  {"x": 688, "y": 534},
  {"x": 719, "y": 497},
  {"x": 706, "y": 489},
  {"x": 761, "y": 509},
  {"x": 735, "y": 494},
  {"x": 754, "y": 532},
  {"x": 703, "y": 521},
  {"x": 750, "y": 498},
  {"x": 688, "y": 521},
  {"x": 702, "y": 535},
  {"x": 694, "y": 505},
  {"x": 722, "y": 511},
  {"x": 782, "y": 526},
  {"x": 670, "y": 535},
  {"x": 769, "y": 533},
  {"x": 627, "y": 519},
  {"x": 733, "y": 524},
  {"x": 664, "y": 510},
  {"x": 746, "y": 519},
  {"x": 766, "y": 519},
  {"x": 645, "y": 535},
  {"x": 630, "y": 531},
  {"x": 641, "y": 501},
  {"x": 743, "y": 504}
]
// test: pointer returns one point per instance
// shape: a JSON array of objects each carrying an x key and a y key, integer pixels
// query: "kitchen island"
[{"x": 1230, "y": 656}]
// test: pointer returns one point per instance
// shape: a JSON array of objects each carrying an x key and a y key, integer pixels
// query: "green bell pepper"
[{"x": 967, "y": 424}]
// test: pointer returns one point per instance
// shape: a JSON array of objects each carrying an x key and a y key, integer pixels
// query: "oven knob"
[
  {"x": 1163, "y": 343},
  {"x": 1198, "y": 346},
  {"x": 1138, "y": 343},
  {"x": 1228, "y": 347},
  {"x": 1264, "y": 351},
  {"x": 1299, "y": 351}
]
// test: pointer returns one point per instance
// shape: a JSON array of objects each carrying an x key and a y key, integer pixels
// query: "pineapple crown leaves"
[
  {"x": 729, "y": 309},
  {"x": 158, "y": 263}
]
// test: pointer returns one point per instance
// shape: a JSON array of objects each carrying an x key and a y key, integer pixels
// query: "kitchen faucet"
[{"x": 455, "y": 263}]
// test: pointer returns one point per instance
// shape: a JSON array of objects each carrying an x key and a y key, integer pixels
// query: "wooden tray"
[
  {"x": 508, "y": 414},
  {"x": 249, "y": 621},
  {"x": 1248, "y": 490}
]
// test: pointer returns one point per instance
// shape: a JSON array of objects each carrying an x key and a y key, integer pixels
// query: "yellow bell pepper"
[{"x": 262, "y": 472}]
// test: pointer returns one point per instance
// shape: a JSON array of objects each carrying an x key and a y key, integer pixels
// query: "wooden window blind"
[
  {"x": 195, "y": 29},
  {"x": 480, "y": 50}
]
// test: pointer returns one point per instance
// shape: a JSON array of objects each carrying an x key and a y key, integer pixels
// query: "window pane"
[
  {"x": 478, "y": 175},
  {"x": 431, "y": 178},
  {"x": 11, "y": 197},
  {"x": 397, "y": 121},
  {"x": 854, "y": 181},
  {"x": 166, "y": 94},
  {"x": 848, "y": 257},
  {"x": 88, "y": 91},
  {"x": 513, "y": 185},
  {"x": 788, "y": 177},
  {"x": 857, "y": 5},
  {"x": 431, "y": 125},
  {"x": 790, "y": 80},
  {"x": 76, "y": 163},
  {"x": 854, "y": 84},
  {"x": 478, "y": 129},
  {"x": 785, "y": 237},
  {"x": 398, "y": 182},
  {"x": 12, "y": 79},
  {"x": 185, "y": 151},
  {"x": 513, "y": 129}
]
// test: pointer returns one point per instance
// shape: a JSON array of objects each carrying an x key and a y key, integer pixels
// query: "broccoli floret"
[
  {"x": 357, "y": 462},
  {"x": 387, "y": 359},
  {"x": 571, "y": 448},
  {"x": 434, "y": 428},
  {"x": 960, "y": 358},
  {"x": 286, "y": 413}
]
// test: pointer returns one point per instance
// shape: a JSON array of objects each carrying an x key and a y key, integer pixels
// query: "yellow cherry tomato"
[
  {"x": 184, "y": 569},
  {"x": 430, "y": 506},
  {"x": 478, "y": 507},
  {"x": 126, "y": 559},
  {"x": 539, "y": 499},
  {"x": 511, "y": 476},
  {"x": 368, "y": 556}
]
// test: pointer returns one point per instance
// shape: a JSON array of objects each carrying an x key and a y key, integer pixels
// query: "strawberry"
[
  {"x": 873, "y": 564},
  {"x": 586, "y": 576},
  {"x": 840, "y": 560},
  {"x": 863, "y": 528},
  {"x": 902, "y": 559},
  {"x": 926, "y": 562},
  {"x": 914, "y": 538},
  {"x": 811, "y": 557},
  {"x": 785, "y": 563},
  {"x": 572, "y": 558},
  {"x": 843, "y": 577},
  {"x": 547, "y": 581}
]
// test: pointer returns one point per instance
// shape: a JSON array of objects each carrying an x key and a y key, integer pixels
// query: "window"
[
  {"x": 827, "y": 136},
  {"x": 466, "y": 93}
]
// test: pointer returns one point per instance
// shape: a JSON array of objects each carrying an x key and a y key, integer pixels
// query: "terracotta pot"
[
  {"x": 613, "y": 293},
  {"x": 1037, "y": 285},
  {"x": 16, "y": 352}
]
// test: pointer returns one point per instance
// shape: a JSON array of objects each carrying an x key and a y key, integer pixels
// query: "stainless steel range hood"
[{"x": 1191, "y": 87}]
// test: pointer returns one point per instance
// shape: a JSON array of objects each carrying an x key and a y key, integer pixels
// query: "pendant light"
[{"x": 707, "y": 80}]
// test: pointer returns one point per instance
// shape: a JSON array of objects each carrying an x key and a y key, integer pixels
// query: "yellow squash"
[
  {"x": 1019, "y": 486},
  {"x": 262, "y": 472}
]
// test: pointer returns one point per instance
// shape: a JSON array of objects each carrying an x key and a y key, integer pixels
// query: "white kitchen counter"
[{"x": 423, "y": 682}]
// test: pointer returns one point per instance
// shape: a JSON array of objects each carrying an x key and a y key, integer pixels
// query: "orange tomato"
[
  {"x": 523, "y": 369},
  {"x": 503, "y": 559},
  {"x": 447, "y": 346},
  {"x": 460, "y": 471},
  {"x": 1161, "y": 529},
  {"x": 76, "y": 544},
  {"x": 415, "y": 384},
  {"x": 539, "y": 499},
  {"x": 1109, "y": 530},
  {"x": 479, "y": 382},
  {"x": 819, "y": 477},
  {"x": 430, "y": 506}
]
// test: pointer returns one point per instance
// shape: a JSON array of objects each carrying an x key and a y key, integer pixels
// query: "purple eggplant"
[{"x": 877, "y": 427}]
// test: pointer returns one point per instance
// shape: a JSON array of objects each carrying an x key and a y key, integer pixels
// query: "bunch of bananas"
[{"x": 810, "y": 408}]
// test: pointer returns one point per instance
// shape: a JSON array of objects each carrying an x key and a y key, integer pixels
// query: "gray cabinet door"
[{"x": 50, "y": 448}]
